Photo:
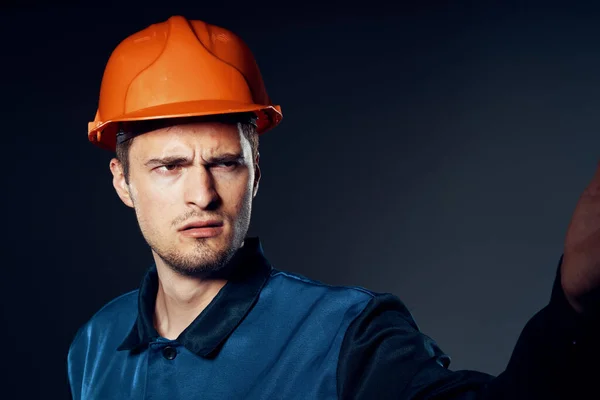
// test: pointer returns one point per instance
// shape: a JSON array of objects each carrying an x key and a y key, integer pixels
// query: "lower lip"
[{"x": 206, "y": 232}]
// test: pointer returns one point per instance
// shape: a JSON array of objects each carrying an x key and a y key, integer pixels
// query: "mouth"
[{"x": 202, "y": 229}]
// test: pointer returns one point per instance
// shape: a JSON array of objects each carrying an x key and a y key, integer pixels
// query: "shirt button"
[{"x": 169, "y": 352}]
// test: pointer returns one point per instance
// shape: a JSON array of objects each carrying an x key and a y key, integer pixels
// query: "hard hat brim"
[{"x": 103, "y": 133}]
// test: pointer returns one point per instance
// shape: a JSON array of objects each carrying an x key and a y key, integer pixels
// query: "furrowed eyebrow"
[
  {"x": 229, "y": 157},
  {"x": 166, "y": 161},
  {"x": 171, "y": 160}
]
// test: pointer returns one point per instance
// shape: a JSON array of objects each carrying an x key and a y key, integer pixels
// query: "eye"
[
  {"x": 168, "y": 168},
  {"x": 227, "y": 164}
]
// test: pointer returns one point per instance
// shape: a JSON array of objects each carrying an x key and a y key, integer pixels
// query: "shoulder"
[
  {"x": 100, "y": 336},
  {"x": 115, "y": 318},
  {"x": 362, "y": 301},
  {"x": 299, "y": 283}
]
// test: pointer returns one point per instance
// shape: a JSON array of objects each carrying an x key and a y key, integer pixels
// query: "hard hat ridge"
[{"x": 175, "y": 69}]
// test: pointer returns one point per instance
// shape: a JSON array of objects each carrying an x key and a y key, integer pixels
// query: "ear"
[
  {"x": 119, "y": 182},
  {"x": 256, "y": 175}
]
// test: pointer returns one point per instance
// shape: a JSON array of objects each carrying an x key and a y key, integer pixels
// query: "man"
[{"x": 182, "y": 103}]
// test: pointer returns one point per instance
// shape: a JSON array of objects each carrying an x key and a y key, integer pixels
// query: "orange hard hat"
[{"x": 179, "y": 68}]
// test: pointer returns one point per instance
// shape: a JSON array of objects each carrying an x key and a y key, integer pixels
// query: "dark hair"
[{"x": 129, "y": 130}]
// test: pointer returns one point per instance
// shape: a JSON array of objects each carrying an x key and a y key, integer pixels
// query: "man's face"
[{"x": 192, "y": 188}]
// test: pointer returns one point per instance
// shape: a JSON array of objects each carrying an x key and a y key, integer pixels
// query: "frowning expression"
[{"x": 191, "y": 187}]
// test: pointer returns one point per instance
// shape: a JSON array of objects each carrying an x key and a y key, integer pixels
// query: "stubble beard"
[{"x": 204, "y": 260}]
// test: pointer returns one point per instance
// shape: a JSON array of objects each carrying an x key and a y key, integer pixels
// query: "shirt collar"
[{"x": 205, "y": 335}]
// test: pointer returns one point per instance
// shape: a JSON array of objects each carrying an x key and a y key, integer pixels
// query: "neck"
[{"x": 180, "y": 299}]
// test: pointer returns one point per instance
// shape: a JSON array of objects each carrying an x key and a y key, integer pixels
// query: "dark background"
[{"x": 432, "y": 151}]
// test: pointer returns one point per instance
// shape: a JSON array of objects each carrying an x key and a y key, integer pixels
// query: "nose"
[{"x": 200, "y": 190}]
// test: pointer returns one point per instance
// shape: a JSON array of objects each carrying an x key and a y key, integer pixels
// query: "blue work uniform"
[{"x": 270, "y": 334}]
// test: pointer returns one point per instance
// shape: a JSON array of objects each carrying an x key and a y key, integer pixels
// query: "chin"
[{"x": 201, "y": 265}]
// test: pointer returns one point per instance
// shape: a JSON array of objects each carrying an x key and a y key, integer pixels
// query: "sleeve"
[{"x": 385, "y": 356}]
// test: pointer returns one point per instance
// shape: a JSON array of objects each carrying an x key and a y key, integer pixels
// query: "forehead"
[{"x": 205, "y": 137}]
